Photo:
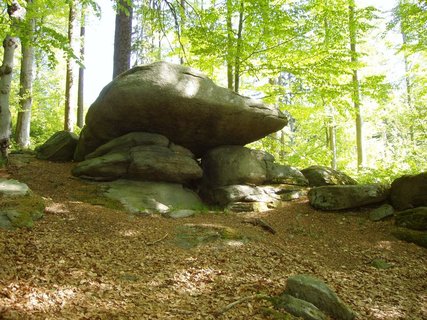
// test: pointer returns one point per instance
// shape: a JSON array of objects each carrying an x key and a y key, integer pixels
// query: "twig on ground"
[
  {"x": 260, "y": 223},
  {"x": 235, "y": 303},
  {"x": 156, "y": 241}
]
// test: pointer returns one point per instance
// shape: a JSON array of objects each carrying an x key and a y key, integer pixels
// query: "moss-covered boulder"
[
  {"x": 415, "y": 219},
  {"x": 409, "y": 191},
  {"x": 20, "y": 211},
  {"x": 59, "y": 147},
  {"x": 414, "y": 236},
  {"x": 316, "y": 292}
]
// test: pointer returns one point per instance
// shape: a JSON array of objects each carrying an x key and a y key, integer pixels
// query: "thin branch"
[
  {"x": 235, "y": 303},
  {"x": 156, "y": 241}
]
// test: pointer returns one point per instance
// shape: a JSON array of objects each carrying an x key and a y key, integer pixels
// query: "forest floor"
[{"x": 86, "y": 261}]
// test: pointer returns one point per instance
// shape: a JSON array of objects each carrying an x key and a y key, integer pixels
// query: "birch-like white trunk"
[
  {"x": 23, "y": 123},
  {"x": 9, "y": 45}
]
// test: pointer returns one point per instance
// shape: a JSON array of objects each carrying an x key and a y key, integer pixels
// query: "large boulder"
[
  {"x": 409, "y": 191},
  {"x": 322, "y": 176},
  {"x": 180, "y": 103},
  {"x": 59, "y": 147},
  {"x": 140, "y": 156},
  {"x": 236, "y": 165},
  {"x": 347, "y": 196},
  {"x": 153, "y": 197}
]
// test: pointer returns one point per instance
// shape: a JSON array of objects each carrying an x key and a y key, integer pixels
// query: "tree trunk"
[
  {"x": 10, "y": 43},
  {"x": 9, "y": 46},
  {"x": 230, "y": 41},
  {"x": 69, "y": 119},
  {"x": 238, "y": 49},
  {"x": 23, "y": 122},
  {"x": 356, "y": 87},
  {"x": 122, "y": 38},
  {"x": 80, "y": 91}
]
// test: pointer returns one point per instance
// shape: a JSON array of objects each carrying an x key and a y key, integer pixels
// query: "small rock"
[
  {"x": 176, "y": 214},
  {"x": 299, "y": 308},
  {"x": 381, "y": 264},
  {"x": 318, "y": 293},
  {"x": 381, "y": 213},
  {"x": 13, "y": 188}
]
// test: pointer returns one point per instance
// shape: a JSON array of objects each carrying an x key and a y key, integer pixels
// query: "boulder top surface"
[{"x": 179, "y": 102}]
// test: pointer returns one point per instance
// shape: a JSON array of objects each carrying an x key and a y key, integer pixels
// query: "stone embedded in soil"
[
  {"x": 315, "y": 291},
  {"x": 298, "y": 307},
  {"x": 381, "y": 213},
  {"x": 9, "y": 187}
]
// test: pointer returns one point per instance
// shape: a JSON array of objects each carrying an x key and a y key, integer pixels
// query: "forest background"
[{"x": 351, "y": 77}]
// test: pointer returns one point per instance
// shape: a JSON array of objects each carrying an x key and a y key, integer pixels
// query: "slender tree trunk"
[
  {"x": 69, "y": 119},
  {"x": 238, "y": 49},
  {"x": 182, "y": 24},
  {"x": 333, "y": 146},
  {"x": 23, "y": 123},
  {"x": 80, "y": 91},
  {"x": 356, "y": 87},
  {"x": 230, "y": 41},
  {"x": 9, "y": 46},
  {"x": 10, "y": 43},
  {"x": 122, "y": 38}
]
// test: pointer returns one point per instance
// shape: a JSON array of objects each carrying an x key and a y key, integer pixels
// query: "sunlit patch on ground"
[
  {"x": 56, "y": 208},
  {"x": 195, "y": 281},
  {"x": 387, "y": 313},
  {"x": 28, "y": 298},
  {"x": 384, "y": 245},
  {"x": 129, "y": 233}
]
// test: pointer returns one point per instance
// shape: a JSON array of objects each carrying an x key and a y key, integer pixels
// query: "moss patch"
[{"x": 18, "y": 212}]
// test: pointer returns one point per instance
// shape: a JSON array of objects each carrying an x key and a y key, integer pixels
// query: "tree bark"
[
  {"x": 80, "y": 90},
  {"x": 23, "y": 123},
  {"x": 10, "y": 43},
  {"x": 356, "y": 86},
  {"x": 238, "y": 49},
  {"x": 9, "y": 46},
  {"x": 230, "y": 41},
  {"x": 122, "y": 38},
  {"x": 69, "y": 119}
]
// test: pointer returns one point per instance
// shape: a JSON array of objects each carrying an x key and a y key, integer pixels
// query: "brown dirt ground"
[{"x": 85, "y": 261}]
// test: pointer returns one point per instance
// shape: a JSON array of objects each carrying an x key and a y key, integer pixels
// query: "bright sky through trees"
[{"x": 99, "y": 46}]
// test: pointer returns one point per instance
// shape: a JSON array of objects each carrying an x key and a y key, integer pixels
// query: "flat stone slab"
[
  {"x": 341, "y": 197},
  {"x": 153, "y": 197}
]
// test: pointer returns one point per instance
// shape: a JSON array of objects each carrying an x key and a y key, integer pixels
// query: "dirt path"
[{"x": 85, "y": 261}]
